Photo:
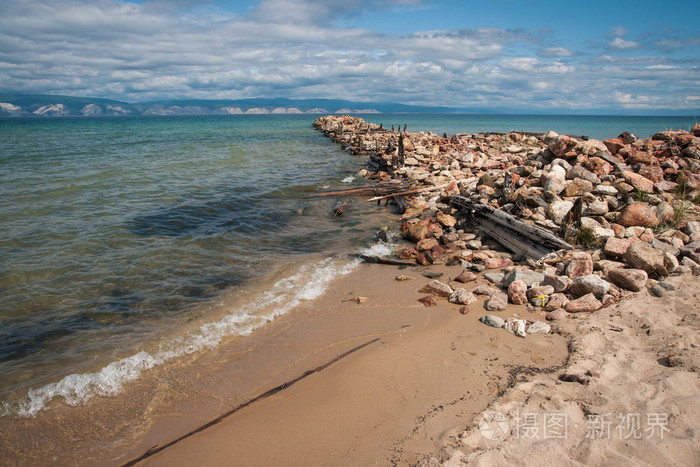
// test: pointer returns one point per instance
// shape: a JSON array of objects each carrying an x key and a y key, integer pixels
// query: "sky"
[{"x": 547, "y": 56}]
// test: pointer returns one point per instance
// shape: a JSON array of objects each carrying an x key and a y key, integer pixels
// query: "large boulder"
[
  {"x": 630, "y": 279},
  {"x": 643, "y": 256}
]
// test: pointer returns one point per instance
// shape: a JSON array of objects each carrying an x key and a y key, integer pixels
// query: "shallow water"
[{"x": 120, "y": 236}]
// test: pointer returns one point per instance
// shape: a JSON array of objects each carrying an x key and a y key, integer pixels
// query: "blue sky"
[{"x": 616, "y": 56}]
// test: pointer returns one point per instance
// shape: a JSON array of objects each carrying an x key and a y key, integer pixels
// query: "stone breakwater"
[{"x": 627, "y": 206}]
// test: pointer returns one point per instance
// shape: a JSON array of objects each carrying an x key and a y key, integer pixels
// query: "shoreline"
[{"x": 388, "y": 409}]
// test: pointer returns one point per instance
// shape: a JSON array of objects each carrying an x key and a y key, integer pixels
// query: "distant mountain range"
[{"x": 40, "y": 105}]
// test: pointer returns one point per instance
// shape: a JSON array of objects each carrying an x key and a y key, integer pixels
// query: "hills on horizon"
[{"x": 47, "y": 105}]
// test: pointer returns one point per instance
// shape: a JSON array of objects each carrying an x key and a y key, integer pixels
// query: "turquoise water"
[{"x": 115, "y": 231}]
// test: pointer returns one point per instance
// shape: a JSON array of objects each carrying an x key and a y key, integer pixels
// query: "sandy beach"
[{"x": 421, "y": 394}]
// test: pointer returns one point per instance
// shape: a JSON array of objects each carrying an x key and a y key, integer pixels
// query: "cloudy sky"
[{"x": 539, "y": 55}]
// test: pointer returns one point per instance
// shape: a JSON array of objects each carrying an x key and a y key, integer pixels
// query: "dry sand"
[
  {"x": 423, "y": 393},
  {"x": 641, "y": 407}
]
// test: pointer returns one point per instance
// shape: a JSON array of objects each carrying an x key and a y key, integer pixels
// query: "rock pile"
[{"x": 628, "y": 205}]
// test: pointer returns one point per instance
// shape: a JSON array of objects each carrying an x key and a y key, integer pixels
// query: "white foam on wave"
[
  {"x": 348, "y": 179},
  {"x": 309, "y": 283}
]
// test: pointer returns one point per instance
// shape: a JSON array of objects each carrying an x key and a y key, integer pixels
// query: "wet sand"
[{"x": 395, "y": 400}]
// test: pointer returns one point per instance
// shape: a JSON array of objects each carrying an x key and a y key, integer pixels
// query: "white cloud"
[
  {"x": 621, "y": 44},
  {"x": 184, "y": 49}
]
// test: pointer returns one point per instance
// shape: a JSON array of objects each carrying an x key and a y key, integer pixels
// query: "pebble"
[{"x": 657, "y": 291}]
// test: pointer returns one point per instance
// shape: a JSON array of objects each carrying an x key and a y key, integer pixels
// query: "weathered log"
[
  {"x": 528, "y": 240},
  {"x": 380, "y": 260},
  {"x": 410, "y": 192}
]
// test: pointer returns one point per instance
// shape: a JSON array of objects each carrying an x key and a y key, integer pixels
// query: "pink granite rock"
[
  {"x": 581, "y": 264},
  {"x": 586, "y": 303},
  {"x": 630, "y": 279},
  {"x": 517, "y": 292},
  {"x": 637, "y": 214}
]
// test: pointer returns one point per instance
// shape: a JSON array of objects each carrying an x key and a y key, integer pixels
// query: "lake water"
[{"x": 117, "y": 234}]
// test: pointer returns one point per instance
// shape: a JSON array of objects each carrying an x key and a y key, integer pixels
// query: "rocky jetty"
[{"x": 623, "y": 211}]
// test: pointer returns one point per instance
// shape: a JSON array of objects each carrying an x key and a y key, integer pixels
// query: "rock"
[
  {"x": 417, "y": 232},
  {"x": 556, "y": 315},
  {"x": 557, "y": 300},
  {"x": 634, "y": 231},
  {"x": 437, "y": 288},
  {"x": 606, "y": 190},
  {"x": 628, "y": 138},
  {"x": 599, "y": 233},
  {"x": 638, "y": 182},
  {"x": 586, "y": 303},
  {"x": 427, "y": 244},
  {"x": 538, "y": 327},
  {"x": 695, "y": 130},
  {"x": 577, "y": 187},
  {"x": 559, "y": 283},
  {"x": 494, "y": 277},
  {"x": 539, "y": 290},
  {"x": 606, "y": 265},
  {"x": 657, "y": 291},
  {"x": 671, "y": 262},
  {"x": 430, "y": 300},
  {"x": 581, "y": 264},
  {"x": 594, "y": 147},
  {"x": 598, "y": 207},
  {"x": 552, "y": 186},
  {"x": 517, "y": 293},
  {"x": 465, "y": 277},
  {"x": 692, "y": 228},
  {"x": 403, "y": 277},
  {"x": 445, "y": 220},
  {"x": 558, "y": 210},
  {"x": 461, "y": 297},
  {"x": 640, "y": 157},
  {"x": 498, "y": 263},
  {"x": 483, "y": 289},
  {"x": 641, "y": 255},
  {"x": 561, "y": 145},
  {"x": 591, "y": 283},
  {"x": 637, "y": 214},
  {"x": 666, "y": 285},
  {"x": 663, "y": 246},
  {"x": 526, "y": 275},
  {"x": 692, "y": 251},
  {"x": 616, "y": 247},
  {"x": 579, "y": 172},
  {"x": 599, "y": 166},
  {"x": 493, "y": 321},
  {"x": 424, "y": 259},
  {"x": 464, "y": 310},
  {"x": 515, "y": 326},
  {"x": 497, "y": 302},
  {"x": 614, "y": 145}
]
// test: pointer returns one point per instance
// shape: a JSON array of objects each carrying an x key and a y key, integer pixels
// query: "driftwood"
[
  {"x": 527, "y": 240},
  {"x": 368, "y": 190},
  {"x": 409, "y": 192},
  {"x": 380, "y": 260}
]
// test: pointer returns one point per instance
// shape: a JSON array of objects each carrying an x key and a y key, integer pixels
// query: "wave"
[{"x": 308, "y": 283}]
